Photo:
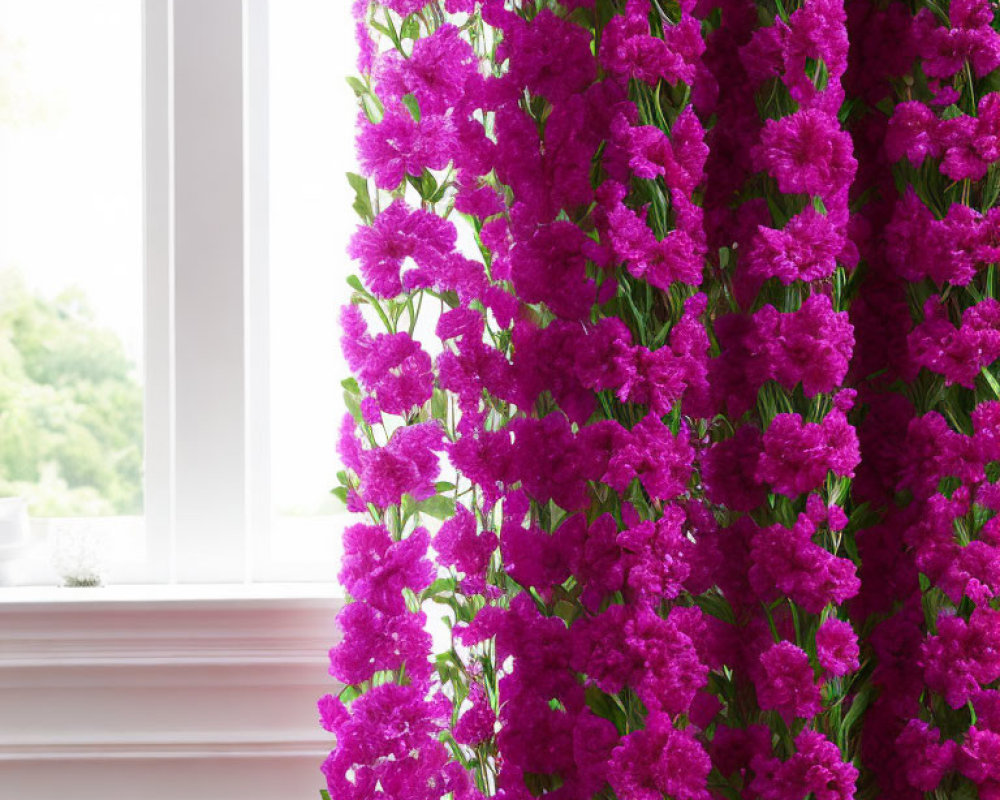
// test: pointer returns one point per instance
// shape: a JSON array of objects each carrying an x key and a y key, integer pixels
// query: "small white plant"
[{"x": 78, "y": 554}]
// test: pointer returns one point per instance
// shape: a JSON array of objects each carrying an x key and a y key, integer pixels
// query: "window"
[
  {"x": 71, "y": 275},
  {"x": 199, "y": 201},
  {"x": 311, "y": 121}
]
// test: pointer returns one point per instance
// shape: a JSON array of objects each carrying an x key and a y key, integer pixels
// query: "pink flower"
[
  {"x": 962, "y": 656},
  {"x": 944, "y": 50},
  {"x": 785, "y": 683},
  {"x": 399, "y": 145},
  {"x": 551, "y": 268},
  {"x": 807, "y": 153},
  {"x": 533, "y": 557},
  {"x": 789, "y": 561},
  {"x": 797, "y": 455},
  {"x": 374, "y": 642},
  {"x": 408, "y": 464},
  {"x": 728, "y": 471},
  {"x": 979, "y": 757},
  {"x": 926, "y": 757},
  {"x": 959, "y": 354},
  {"x": 660, "y": 760},
  {"x": 376, "y": 569},
  {"x": 661, "y": 460},
  {"x": 392, "y": 367},
  {"x": 814, "y": 347},
  {"x": 912, "y": 132},
  {"x": 628, "y": 49},
  {"x": 837, "y": 647},
  {"x": 550, "y": 56},
  {"x": 459, "y": 544},
  {"x": 816, "y": 768},
  {"x": 397, "y": 235},
  {"x": 435, "y": 73},
  {"x": 805, "y": 249},
  {"x": 971, "y": 144},
  {"x": 477, "y": 724},
  {"x": 552, "y": 463},
  {"x": 388, "y": 737},
  {"x": 659, "y": 554}
]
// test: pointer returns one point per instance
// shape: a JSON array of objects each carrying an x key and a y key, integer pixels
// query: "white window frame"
[
  {"x": 208, "y": 503},
  {"x": 208, "y": 510}
]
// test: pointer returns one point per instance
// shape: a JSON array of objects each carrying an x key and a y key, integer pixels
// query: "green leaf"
[
  {"x": 412, "y": 601},
  {"x": 351, "y": 385},
  {"x": 410, "y": 29},
  {"x": 359, "y": 87},
  {"x": 362, "y": 199},
  {"x": 861, "y": 701},
  {"x": 992, "y": 381},
  {"x": 324, "y": 794},
  {"x": 353, "y": 403},
  {"x": 440, "y": 586},
  {"x": 439, "y": 507},
  {"x": 439, "y": 405},
  {"x": 340, "y": 492},
  {"x": 348, "y": 694},
  {"x": 410, "y": 101},
  {"x": 355, "y": 283}
]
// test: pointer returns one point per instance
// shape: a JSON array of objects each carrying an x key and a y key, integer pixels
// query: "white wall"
[{"x": 178, "y": 698}]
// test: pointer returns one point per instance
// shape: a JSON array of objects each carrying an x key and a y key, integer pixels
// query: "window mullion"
[
  {"x": 210, "y": 495},
  {"x": 158, "y": 290},
  {"x": 258, "y": 313}
]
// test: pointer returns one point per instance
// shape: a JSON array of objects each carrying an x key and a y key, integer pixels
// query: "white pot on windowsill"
[{"x": 13, "y": 534}]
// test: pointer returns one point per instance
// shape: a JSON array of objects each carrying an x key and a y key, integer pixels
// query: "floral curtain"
[{"x": 674, "y": 432}]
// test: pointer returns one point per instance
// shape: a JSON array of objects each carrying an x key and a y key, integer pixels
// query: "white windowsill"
[{"x": 170, "y": 593}]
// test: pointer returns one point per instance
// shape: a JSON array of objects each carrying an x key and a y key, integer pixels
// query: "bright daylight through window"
[
  {"x": 71, "y": 282},
  {"x": 312, "y": 109},
  {"x": 172, "y": 263}
]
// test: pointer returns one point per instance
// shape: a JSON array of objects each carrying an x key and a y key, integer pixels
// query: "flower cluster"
[
  {"x": 691, "y": 487},
  {"x": 929, "y": 240}
]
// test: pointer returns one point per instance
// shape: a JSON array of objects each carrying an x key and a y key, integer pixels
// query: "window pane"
[
  {"x": 71, "y": 273},
  {"x": 311, "y": 121}
]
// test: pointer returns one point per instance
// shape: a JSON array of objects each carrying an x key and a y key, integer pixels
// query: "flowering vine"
[{"x": 675, "y": 418}]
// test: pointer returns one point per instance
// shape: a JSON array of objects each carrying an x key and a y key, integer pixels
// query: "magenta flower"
[
  {"x": 785, "y": 683},
  {"x": 661, "y": 460},
  {"x": 837, "y": 647},
  {"x": 376, "y": 569},
  {"x": 788, "y": 560},
  {"x": 927, "y": 758},
  {"x": 460, "y": 544},
  {"x": 805, "y": 249},
  {"x": 393, "y": 367},
  {"x": 435, "y": 73},
  {"x": 408, "y": 464},
  {"x": 913, "y": 132},
  {"x": 397, "y": 236},
  {"x": 399, "y": 145},
  {"x": 816, "y": 768},
  {"x": 807, "y": 153},
  {"x": 797, "y": 455},
  {"x": 374, "y": 642},
  {"x": 660, "y": 760}
]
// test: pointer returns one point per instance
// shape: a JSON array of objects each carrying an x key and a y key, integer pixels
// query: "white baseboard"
[{"x": 205, "y": 699}]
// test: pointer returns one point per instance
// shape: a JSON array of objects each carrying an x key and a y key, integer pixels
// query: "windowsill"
[{"x": 169, "y": 593}]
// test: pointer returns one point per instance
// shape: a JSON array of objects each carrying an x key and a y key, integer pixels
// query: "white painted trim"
[
  {"x": 209, "y": 268},
  {"x": 256, "y": 142},
  {"x": 197, "y": 748},
  {"x": 168, "y": 693},
  {"x": 158, "y": 294}
]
